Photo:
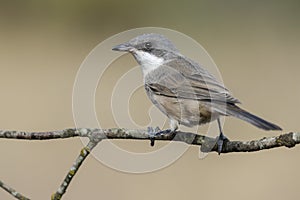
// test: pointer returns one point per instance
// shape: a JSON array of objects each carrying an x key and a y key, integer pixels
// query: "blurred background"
[{"x": 255, "y": 44}]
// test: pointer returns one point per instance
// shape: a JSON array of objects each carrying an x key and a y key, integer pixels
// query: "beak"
[{"x": 123, "y": 47}]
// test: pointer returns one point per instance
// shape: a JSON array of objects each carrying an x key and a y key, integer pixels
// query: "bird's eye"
[{"x": 148, "y": 45}]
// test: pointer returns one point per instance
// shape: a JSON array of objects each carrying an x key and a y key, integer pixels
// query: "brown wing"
[{"x": 182, "y": 78}]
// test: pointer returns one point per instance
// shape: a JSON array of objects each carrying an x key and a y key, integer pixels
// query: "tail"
[{"x": 236, "y": 111}]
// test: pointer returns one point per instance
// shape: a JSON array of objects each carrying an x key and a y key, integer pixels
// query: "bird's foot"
[
  {"x": 164, "y": 132},
  {"x": 221, "y": 142},
  {"x": 155, "y": 132},
  {"x": 152, "y": 133}
]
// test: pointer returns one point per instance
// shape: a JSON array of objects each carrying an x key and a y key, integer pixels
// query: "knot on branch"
[{"x": 286, "y": 140}]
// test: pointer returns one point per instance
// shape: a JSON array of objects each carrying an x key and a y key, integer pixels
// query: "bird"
[{"x": 184, "y": 90}]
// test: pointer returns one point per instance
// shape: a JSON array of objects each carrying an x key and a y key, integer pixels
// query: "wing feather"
[{"x": 183, "y": 78}]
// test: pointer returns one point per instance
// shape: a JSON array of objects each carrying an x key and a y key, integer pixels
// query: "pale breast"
[{"x": 186, "y": 112}]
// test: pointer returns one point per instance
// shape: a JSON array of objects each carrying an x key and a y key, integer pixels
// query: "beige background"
[{"x": 254, "y": 43}]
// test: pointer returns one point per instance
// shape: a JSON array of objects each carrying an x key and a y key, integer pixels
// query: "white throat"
[{"x": 148, "y": 61}]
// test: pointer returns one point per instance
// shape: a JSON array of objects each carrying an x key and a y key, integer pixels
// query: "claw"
[
  {"x": 163, "y": 132},
  {"x": 152, "y": 141},
  {"x": 152, "y": 134}
]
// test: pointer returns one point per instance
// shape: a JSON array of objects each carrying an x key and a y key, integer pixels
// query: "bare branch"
[
  {"x": 207, "y": 144},
  {"x": 13, "y": 192},
  {"x": 287, "y": 140},
  {"x": 65, "y": 184}
]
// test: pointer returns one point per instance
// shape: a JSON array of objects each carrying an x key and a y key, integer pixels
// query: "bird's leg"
[
  {"x": 221, "y": 138},
  {"x": 171, "y": 130}
]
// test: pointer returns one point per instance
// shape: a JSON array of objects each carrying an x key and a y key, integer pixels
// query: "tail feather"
[{"x": 236, "y": 111}]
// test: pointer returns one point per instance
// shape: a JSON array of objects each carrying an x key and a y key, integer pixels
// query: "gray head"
[
  {"x": 148, "y": 43},
  {"x": 148, "y": 49},
  {"x": 148, "y": 46}
]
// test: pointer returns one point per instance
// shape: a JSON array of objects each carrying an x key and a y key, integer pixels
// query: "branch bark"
[
  {"x": 208, "y": 144},
  {"x": 288, "y": 140},
  {"x": 75, "y": 167},
  {"x": 12, "y": 191}
]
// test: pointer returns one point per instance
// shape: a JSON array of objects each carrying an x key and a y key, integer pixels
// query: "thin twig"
[
  {"x": 66, "y": 182},
  {"x": 13, "y": 192}
]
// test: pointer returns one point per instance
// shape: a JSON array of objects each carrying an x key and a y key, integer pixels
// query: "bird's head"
[{"x": 149, "y": 50}]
